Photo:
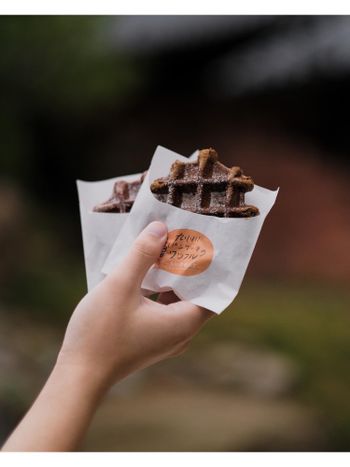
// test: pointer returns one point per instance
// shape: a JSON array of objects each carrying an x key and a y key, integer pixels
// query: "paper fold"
[{"x": 99, "y": 230}]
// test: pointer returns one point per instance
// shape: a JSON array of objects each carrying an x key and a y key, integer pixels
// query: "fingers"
[
  {"x": 187, "y": 318},
  {"x": 143, "y": 253}
]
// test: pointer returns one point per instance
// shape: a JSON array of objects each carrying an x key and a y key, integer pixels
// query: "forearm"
[{"x": 61, "y": 414}]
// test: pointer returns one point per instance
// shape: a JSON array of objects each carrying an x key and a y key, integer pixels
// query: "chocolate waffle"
[
  {"x": 123, "y": 197},
  {"x": 206, "y": 187}
]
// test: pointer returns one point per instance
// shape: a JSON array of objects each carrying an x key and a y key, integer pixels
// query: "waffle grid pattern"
[{"x": 206, "y": 187}]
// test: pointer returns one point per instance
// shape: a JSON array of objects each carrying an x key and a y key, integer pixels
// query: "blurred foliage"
[
  {"x": 55, "y": 67},
  {"x": 60, "y": 63},
  {"x": 42, "y": 271},
  {"x": 309, "y": 323}
]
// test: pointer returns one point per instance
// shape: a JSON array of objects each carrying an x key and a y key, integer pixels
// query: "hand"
[{"x": 115, "y": 330}]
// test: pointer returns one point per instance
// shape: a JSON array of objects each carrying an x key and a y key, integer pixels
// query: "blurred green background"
[{"x": 90, "y": 98}]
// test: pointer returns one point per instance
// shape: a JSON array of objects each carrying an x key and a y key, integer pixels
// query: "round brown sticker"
[{"x": 186, "y": 252}]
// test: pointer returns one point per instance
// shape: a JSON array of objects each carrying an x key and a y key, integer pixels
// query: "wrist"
[{"x": 85, "y": 382}]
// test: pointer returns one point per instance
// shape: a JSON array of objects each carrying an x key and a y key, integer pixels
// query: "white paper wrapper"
[
  {"x": 99, "y": 229},
  {"x": 206, "y": 257}
]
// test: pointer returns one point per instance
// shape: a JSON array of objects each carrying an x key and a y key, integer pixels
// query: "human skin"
[{"x": 113, "y": 332}]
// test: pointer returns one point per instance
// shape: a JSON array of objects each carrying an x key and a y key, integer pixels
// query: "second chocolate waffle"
[{"x": 122, "y": 198}]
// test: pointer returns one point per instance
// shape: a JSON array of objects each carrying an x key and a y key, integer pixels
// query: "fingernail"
[{"x": 158, "y": 229}]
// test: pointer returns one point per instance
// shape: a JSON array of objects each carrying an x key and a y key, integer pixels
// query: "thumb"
[{"x": 143, "y": 253}]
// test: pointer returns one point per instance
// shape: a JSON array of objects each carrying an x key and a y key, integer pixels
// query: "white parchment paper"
[
  {"x": 233, "y": 239},
  {"x": 99, "y": 229}
]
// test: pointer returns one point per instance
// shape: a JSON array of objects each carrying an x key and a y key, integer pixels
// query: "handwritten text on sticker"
[{"x": 186, "y": 252}]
